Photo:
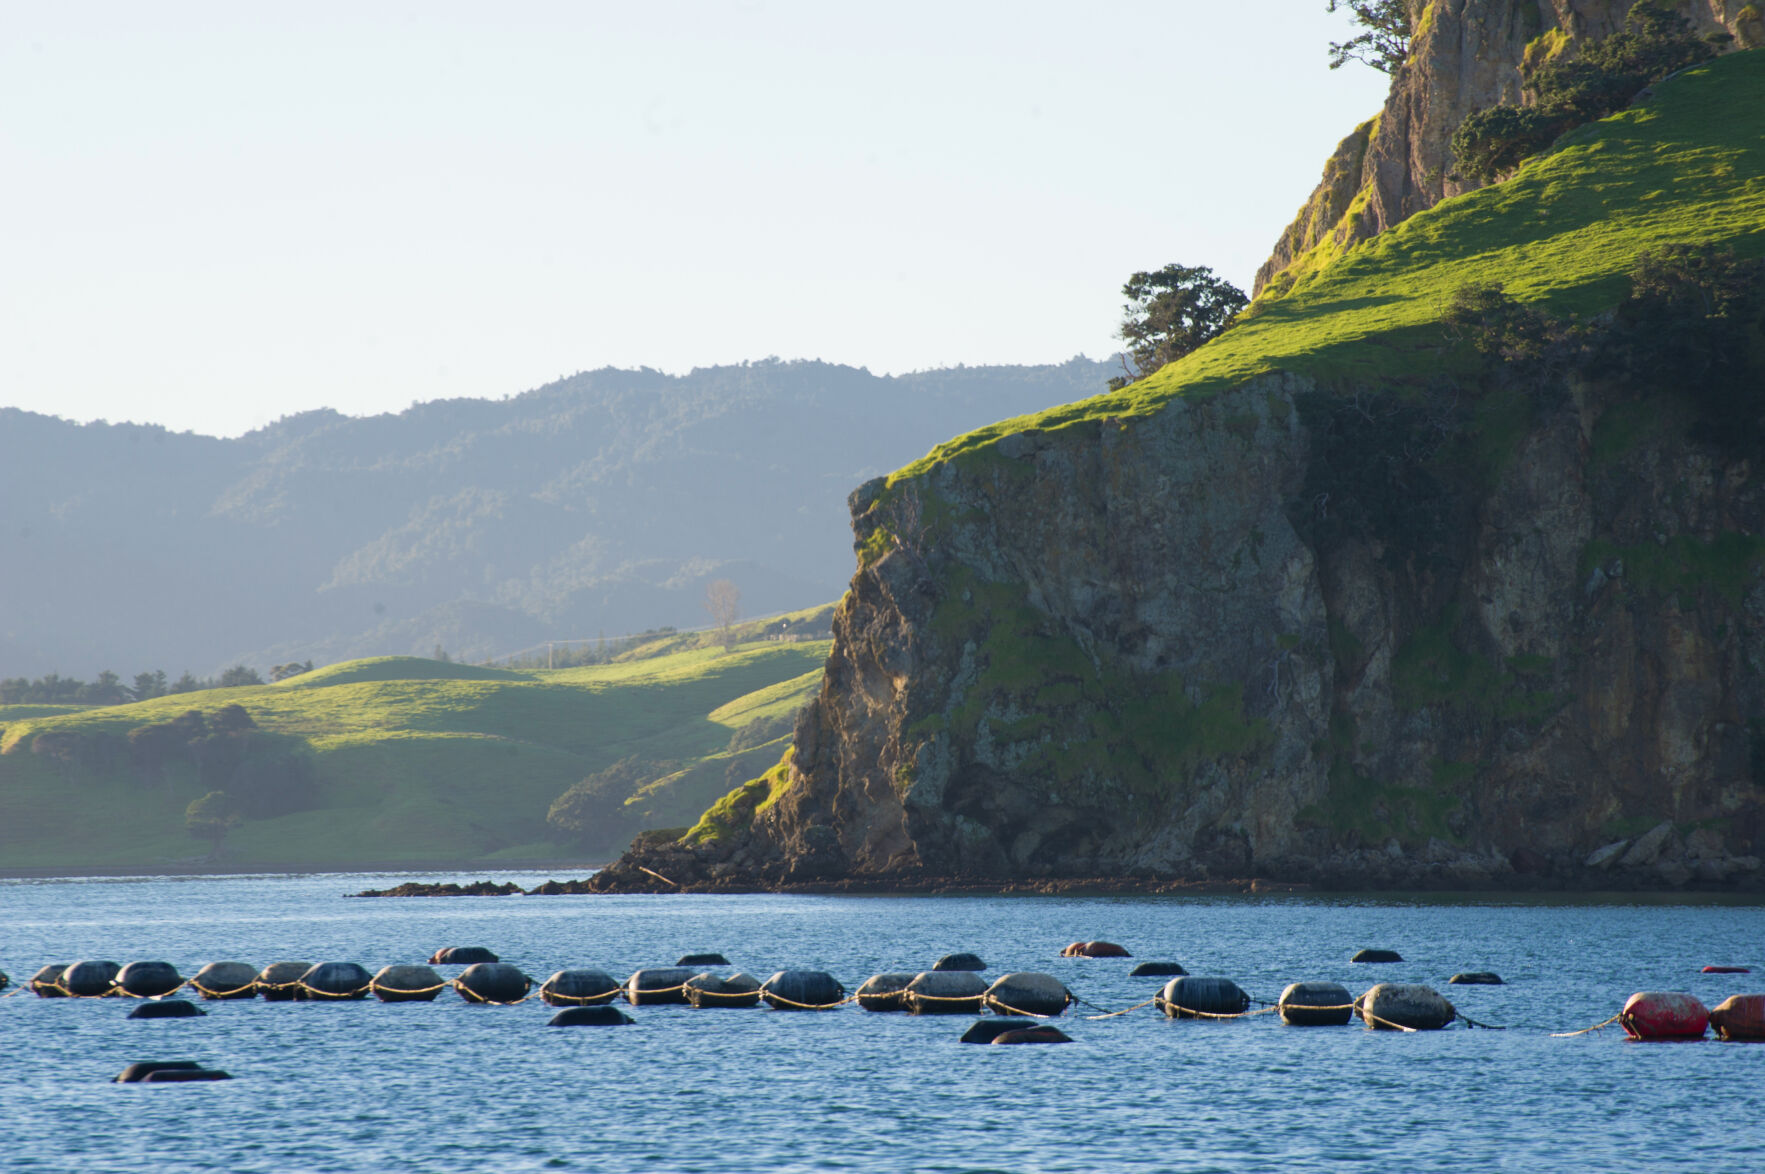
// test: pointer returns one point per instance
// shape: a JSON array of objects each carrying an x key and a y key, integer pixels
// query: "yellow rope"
[
  {"x": 472, "y": 996},
  {"x": 1125, "y": 1010},
  {"x": 1585, "y": 1030},
  {"x": 575, "y": 1000},
  {"x": 210, "y": 994},
  {"x": 1373, "y": 1019},
  {"x": 380, "y": 988},
  {"x": 644, "y": 990},
  {"x": 998, "y": 1005},
  {"x": 1188, "y": 1012},
  {"x": 330, "y": 995},
  {"x": 67, "y": 994},
  {"x": 774, "y": 996}
]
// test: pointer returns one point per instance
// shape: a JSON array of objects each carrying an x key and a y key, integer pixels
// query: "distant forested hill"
[{"x": 602, "y": 503}]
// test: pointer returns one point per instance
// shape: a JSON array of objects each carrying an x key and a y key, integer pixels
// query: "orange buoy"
[
  {"x": 1094, "y": 950},
  {"x": 1728, "y": 970},
  {"x": 1652, "y": 1015},
  {"x": 1739, "y": 1017}
]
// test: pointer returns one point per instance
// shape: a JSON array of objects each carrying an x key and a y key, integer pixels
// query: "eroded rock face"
[
  {"x": 1124, "y": 649},
  {"x": 1465, "y": 57}
]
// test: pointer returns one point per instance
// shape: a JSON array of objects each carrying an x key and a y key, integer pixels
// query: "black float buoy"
[
  {"x": 226, "y": 980},
  {"x": 149, "y": 980},
  {"x": 493, "y": 982},
  {"x": 702, "y": 960},
  {"x": 137, "y": 1072},
  {"x": 1040, "y": 1034},
  {"x": 802, "y": 990},
  {"x": 1377, "y": 956},
  {"x": 89, "y": 979},
  {"x": 279, "y": 982},
  {"x": 579, "y": 988},
  {"x": 959, "y": 962},
  {"x": 406, "y": 982},
  {"x": 184, "y": 1076},
  {"x": 461, "y": 956},
  {"x": 590, "y": 1017},
  {"x": 1316, "y": 1004},
  {"x": 334, "y": 982},
  {"x": 1028, "y": 993},
  {"x": 46, "y": 983},
  {"x": 1396, "y": 1005},
  {"x": 5, "y": 980},
  {"x": 1476, "y": 978},
  {"x": 884, "y": 992},
  {"x": 1201, "y": 998},
  {"x": 711, "y": 990},
  {"x": 1157, "y": 970},
  {"x": 946, "y": 992},
  {"x": 659, "y": 984},
  {"x": 168, "y": 1009},
  {"x": 985, "y": 1031}
]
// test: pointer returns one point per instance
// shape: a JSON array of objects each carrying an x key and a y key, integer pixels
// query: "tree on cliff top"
[
  {"x": 1172, "y": 312},
  {"x": 1384, "y": 42}
]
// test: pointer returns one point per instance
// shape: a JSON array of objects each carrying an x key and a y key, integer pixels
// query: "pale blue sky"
[{"x": 217, "y": 214}]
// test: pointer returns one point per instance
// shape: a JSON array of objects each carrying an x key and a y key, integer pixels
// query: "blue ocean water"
[{"x": 452, "y": 1087}]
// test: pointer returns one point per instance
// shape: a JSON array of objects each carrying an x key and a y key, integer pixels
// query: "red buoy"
[
  {"x": 1664, "y": 1015},
  {"x": 1728, "y": 970},
  {"x": 1739, "y": 1017}
]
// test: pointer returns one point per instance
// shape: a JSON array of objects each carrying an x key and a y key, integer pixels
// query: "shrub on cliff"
[{"x": 1172, "y": 312}]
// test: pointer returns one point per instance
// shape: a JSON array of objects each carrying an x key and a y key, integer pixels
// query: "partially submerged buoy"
[
  {"x": 1157, "y": 970},
  {"x": 1739, "y": 1018},
  {"x": 406, "y": 982},
  {"x": 1027, "y": 993},
  {"x": 167, "y": 1072},
  {"x": 461, "y": 956},
  {"x": 1377, "y": 956},
  {"x": 802, "y": 990},
  {"x": 279, "y": 982},
  {"x": 89, "y": 979},
  {"x": 5, "y": 980},
  {"x": 1315, "y": 1004},
  {"x": 1094, "y": 950},
  {"x": 600, "y": 1016},
  {"x": 1040, "y": 1034},
  {"x": 226, "y": 980},
  {"x": 46, "y": 983},
  {"x": 1476, "y": 978},
  {"x": 334, "y": 982},
  {"x": 985, "y": 1031},
  {"x": 884, "y": 992},
  {"x": 702, "y": 960},
  {"x": 1728, "y": 970},
  {"x": 1397, "y": 1005},
  {"x": 712, "y": 990},
  {"x": 659, "y": 984},
  {"x": 579, "y": 988},
  {"x": 493, "y": 982},
  {"x": 945, "y": 992},
  {"x": 959, "y": 962},
  {"x": 167, "y": 1009},
  {"x": 1201, "y": 998},
  {"x": 148, "y": 980},
  {"x": 1663, "y": 1015}
]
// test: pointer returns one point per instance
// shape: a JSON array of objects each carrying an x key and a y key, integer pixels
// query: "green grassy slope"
[
  {"x": 414, "y": 760},
  {"x": 1686, "y": 166}
]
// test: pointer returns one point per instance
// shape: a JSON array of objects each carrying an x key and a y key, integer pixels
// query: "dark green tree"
[
  {"x": 149, "y": 685},
  {"x": 211, "y": 818},
  {"x": 1172, "y": 312},
  {"x": 239, "y": 675},
  {"x": 1384, "y": 40}
]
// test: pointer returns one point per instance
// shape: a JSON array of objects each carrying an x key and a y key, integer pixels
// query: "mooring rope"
[
  {"x": 472, "y": 996},
  {"x": 1470, "y": 1022},
  {"x": 380, "y": 988},
  {"x": 1123, "y": 1011},
  {"x": 210, "y": 994},
  {"x": 1585, "y": 1030},
  {"x": 555, "y": 998},
  {"x": 774, "y": 996},
  {"x": 330, "y": 996}
]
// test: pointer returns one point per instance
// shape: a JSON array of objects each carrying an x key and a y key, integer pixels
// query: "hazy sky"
[{"x": 220, "y": 214}]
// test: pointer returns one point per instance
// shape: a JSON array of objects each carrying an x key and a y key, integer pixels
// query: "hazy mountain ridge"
[{"x": 600, "y": 502}]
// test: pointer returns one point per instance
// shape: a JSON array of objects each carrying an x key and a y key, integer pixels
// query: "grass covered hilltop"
[{"x": 399, "y": 760}]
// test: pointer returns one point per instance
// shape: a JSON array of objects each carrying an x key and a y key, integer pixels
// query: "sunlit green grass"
[
  {"x": 1686, "y": 166},
  {"x": 415, "y": 760}
]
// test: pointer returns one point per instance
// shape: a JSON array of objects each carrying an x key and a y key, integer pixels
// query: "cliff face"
[
  {"x": 1139, "y": 647},
  {"x": 1465, "y": 56}
]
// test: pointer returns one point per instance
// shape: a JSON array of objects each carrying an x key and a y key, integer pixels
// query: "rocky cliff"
[
  {"x": 1332, "y": 600},
  {"x": 1465, "y": 56}
]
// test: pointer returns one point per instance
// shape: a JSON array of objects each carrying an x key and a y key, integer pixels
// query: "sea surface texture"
[{"x": 446, "y": 1086}]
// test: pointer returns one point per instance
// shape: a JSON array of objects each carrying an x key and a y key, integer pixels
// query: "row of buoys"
[{"x": 1675, "y": 1015}]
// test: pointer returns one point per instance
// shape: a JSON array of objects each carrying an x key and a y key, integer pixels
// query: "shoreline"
[{"x": 216, "y": 869}]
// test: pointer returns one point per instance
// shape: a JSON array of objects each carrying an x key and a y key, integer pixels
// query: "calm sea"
[{"x": 451, "y": 1087}]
